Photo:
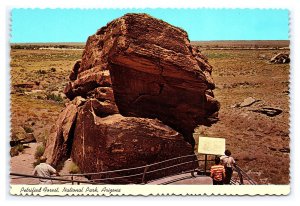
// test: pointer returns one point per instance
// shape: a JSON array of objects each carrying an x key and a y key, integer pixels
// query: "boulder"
[
  {"x": 248, "y": 102},
  {"x": 77, "y": 101},
  {"x": 18, "y": 133},
  {"x": 269, "y": 111},
  {"x": 28, "y": 139},
  {"x": 74, "y": 72},
  {"x": 137, "y": 95},
  {"x": 116, "y": 142},
  {"x": 59, "y": 142},
  {"x": 58, "y": 94},
  {"x": 280, "y": 58},
  {"x": 86, "y": 82},
  {"x": 285, "y": 150}
]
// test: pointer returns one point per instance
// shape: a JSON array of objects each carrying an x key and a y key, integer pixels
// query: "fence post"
[
  {"x": 240, "y": 176},
  {"x": 205, "y": 164},
  {"x": 72, "y": 178},
  {"x": 144, "y": 173}
]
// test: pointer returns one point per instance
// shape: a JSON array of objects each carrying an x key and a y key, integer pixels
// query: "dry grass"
[
  {"x": 73, "y": 168},
  {"x": 50, "y": 68},
  {"x": 254, "y": 139}
]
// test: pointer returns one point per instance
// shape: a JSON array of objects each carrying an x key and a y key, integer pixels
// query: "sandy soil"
[{"x": 23, "y": 163}]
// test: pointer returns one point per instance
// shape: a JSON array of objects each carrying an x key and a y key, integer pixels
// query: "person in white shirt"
[
  {"x": 228, "y": 163},
  {"x": 44, "y": 170}
]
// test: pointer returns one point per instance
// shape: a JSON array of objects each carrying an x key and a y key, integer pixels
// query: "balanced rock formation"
[{"x": 145, "y": 89}]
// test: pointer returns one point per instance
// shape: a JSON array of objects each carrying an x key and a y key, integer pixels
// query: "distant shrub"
[
  {"x": 52, "y": 69},
  {"x": 41, "y": 71},
  {"x": 20, "y": 148},
  {"x": 39, "y": 152},
  {"x": 39, "y": 46},
  {"x": 44, "y": 139},
  {"x": 55, "y": 97},
  {"x": 28, "y": 129},
  {"x": 73, "y": 169},
  {"x": 20, "y": 90}
]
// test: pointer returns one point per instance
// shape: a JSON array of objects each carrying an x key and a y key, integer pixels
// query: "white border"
[
  {"x": 147, "y": 190},
  {"x": 292, "y": 5}
]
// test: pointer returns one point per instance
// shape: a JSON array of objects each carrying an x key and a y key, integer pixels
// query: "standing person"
[
  {"x": 44, "y": 170},
  {"x": 228, "y": 163},
  {"x": 217, "y": 172}
]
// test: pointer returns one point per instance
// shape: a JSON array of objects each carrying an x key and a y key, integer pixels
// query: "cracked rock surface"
[{"x": 136, "y": 95}]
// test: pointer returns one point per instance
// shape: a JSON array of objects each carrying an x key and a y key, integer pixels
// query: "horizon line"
[{"x": 190, "y": 41}]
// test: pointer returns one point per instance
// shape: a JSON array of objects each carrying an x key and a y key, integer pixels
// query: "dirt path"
[{"x": 23, "y": 164}]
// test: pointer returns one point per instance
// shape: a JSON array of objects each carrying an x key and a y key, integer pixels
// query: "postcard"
[{"x": 149, "y": 102}]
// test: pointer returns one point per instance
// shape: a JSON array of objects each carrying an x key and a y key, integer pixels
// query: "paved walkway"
[{"x": 183, "y": 179}]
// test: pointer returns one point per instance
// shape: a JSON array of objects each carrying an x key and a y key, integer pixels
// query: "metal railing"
[
  {"x": 242, "y": 177},
  {"x": 146, "y": 169},
  {"x": 18, "y": 175}
]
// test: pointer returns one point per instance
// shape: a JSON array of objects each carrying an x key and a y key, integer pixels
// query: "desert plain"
[{"x": 241, "y": 70}]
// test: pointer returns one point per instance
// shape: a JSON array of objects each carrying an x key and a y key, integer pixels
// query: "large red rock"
[
  {"x": 145, "y": 89},
  {"x": 154, "y": 71},
  {"x": 116, "y": 142}
]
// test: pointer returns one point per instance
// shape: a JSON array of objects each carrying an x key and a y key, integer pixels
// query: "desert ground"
[{"x": 241, "y": 69}]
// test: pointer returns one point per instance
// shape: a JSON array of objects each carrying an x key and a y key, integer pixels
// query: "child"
[{"x": 217, "y": 172}]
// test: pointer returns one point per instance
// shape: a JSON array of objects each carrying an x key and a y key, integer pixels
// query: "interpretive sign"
[{"x": 211, "y": 145}]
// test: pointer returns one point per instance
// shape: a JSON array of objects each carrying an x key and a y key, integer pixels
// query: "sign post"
[
  {"x": 210, "y": 146},
  {"x": 205, "y": 163}
]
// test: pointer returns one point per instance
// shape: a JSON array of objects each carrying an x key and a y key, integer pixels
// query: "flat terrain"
[
  {"x": 259, "y": 143},
  {"x": 253, "y": 44},
  {"x": 48, "y": 70}
]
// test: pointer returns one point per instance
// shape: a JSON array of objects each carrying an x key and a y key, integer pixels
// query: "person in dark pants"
[
  {"x": 228, "y": 163},
  {"x": 217, "y": 172}
]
